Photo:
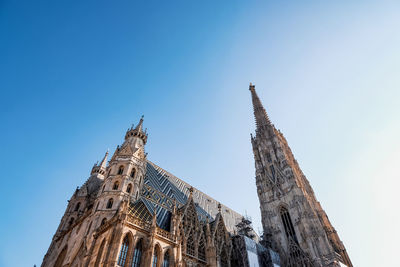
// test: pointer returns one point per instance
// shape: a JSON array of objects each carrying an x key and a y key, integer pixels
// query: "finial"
[
  {"x": 219, "y": 207},
  {"x": 252, "y": 86}
]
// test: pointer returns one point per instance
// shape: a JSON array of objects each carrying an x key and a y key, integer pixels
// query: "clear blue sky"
[{"x": 75, "y": 74}]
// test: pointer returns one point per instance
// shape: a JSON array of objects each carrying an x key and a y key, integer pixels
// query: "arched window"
[
  {"x": 123, "y": 252},
  {"x": 155, "y": 257},
  {"x": 287, "y": 224},
  {"x": 137, "y": 254},
  {"x": 61, "y": 257},
  {"x": 99, "y": 254},
  {"x": 166, "y": 259},
  {"x": 109, "y": 203},
  {"x": 129, "y": 188},
  {"x": 121, "y": 169},
  {"x": 116, "y": 185},
  {"x": 133, "y": 173},
  {"x": 103, "y": 221},
  {"x": 78, "y": 205}
]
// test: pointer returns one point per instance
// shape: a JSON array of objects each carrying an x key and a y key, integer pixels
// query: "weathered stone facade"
[
  {"x": 294, "y": 222},
  {"x": 130, "y": 212}
]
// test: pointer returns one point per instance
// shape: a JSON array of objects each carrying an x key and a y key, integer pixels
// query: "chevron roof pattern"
[{"x": 167, "y": 187}]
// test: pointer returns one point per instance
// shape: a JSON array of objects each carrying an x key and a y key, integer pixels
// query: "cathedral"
[{"x": 131, "y": 212}]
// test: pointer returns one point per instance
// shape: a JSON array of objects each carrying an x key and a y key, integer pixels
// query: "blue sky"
[{"x": 76, "y": 74}]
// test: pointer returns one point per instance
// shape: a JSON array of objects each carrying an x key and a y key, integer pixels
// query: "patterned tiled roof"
[{"x": 161, "y": 188}]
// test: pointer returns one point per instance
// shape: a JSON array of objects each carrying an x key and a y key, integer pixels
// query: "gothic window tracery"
[
  {"x": 202, "y": 248},
  {"x": 190, "y": 246},
  {"x": 287, "y": 224},
  {"x": 222, "y": 242},
  {"x": 137, "y": 254},
  {"x": 110, "y": 203},
  {"x": 123, "y": 252}
]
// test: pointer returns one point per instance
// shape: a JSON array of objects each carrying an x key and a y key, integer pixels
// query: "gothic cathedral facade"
[{"x": 131, "y": 212}]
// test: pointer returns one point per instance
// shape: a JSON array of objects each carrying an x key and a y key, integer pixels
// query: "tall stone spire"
[
  {"x": 292, "y": 218},
  {"x": 260, "y": 115}
]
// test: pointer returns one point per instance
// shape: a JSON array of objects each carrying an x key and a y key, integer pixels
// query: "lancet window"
[
  {"x": 123, "y": 252},
  {"x": 120, "y": 170},
  {"x": 137, "y": 254},
  {"x": 155, "y": 257},
  {"x": 166, "y": 259},
  {"x": 287, "y": 224}
]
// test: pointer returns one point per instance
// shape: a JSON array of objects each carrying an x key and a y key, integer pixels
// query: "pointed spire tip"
[{"x": 252, "y": 86}]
